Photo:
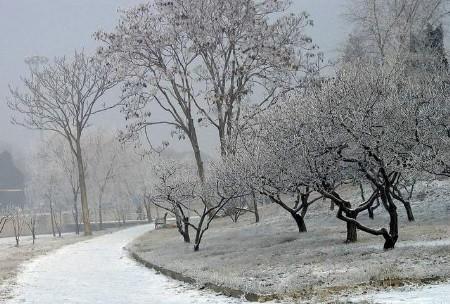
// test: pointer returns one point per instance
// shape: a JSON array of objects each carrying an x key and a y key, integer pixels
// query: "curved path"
[{"x": 100, "y": 271}]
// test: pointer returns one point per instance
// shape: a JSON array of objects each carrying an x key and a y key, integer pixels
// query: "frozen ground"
[
  {"x": 271, "y": 257},
  {"x": 100, "y": 271},
  {"x": 432, "y": 294}
]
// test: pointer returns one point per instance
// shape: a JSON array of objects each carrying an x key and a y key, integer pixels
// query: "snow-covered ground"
[
  {"x": 100, "y": 271},
  {"x": 433, "y": 294}
]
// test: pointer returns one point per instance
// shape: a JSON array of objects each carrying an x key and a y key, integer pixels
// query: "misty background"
[{"x": 57, "y": 27}]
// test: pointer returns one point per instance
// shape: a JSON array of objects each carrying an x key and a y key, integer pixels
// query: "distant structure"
[{"x": 11, "y": 182}]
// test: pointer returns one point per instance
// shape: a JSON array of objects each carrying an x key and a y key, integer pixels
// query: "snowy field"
[
  {"x": 271, "y": 257},
  {"x": 100, "y": 271}
]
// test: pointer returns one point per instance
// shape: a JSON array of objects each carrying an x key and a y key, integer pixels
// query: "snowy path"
[{"x": 100, "y": 271}]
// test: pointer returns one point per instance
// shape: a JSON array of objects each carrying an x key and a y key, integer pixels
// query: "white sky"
[{"x": 57, "y": 27}]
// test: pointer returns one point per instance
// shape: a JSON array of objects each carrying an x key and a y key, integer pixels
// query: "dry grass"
[{"x": 272, "y": 257}]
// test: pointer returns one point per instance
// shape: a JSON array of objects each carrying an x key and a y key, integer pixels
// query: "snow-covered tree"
[
  {"x": 104, "y": 156},
  {"x": 386, "y": 27},
  {"x": 267, "y": 159},
  {"x": 175, "y": 191},
  {"x": 373, "y": 123},
  {"x": 200, "y": 62},
  {"x": 48, "y": 186},
  {"x": 194, "y": 203},
  {"x": 386, "y": 116},
  {"x": 63, "y": 97},
  {"x": 55, "y": 150}
]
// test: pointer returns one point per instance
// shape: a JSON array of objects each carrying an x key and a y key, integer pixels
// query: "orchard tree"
[
  {"x": 179, "y": 191},
  {"x": 267, "y": 161},
  {"x": 63, "y": 97},
  {"x": 175, "y": 191},
  {"x": 386, "y": 116},
  {"x": 196, "y": 62}
]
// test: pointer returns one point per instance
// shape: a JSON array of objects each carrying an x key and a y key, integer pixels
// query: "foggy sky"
[{"x": 57, "y": 27}]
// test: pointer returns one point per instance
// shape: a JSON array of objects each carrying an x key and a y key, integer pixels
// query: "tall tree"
[
  {"x": 63, "y": 97},
  {"x": 207, "y": 63}
]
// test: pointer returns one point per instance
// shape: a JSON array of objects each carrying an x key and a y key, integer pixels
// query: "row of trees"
[
  {"x": 53, "y": 192},
  {"x": 382, "y": 121},
  {"x": 199, "y": 63},
  {"x": 248, "y": 69}
]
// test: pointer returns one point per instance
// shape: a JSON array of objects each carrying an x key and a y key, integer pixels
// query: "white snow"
[
  {"x": 100, "y": 271},
  {"x": 432, "y": 294}
]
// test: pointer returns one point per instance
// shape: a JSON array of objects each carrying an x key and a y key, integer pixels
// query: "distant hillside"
[{"x": 11, "y": 182}]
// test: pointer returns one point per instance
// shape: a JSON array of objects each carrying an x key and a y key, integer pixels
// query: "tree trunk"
[
  {"x": 33, "y": 229},
  {"x": 75, "y": 217},
  {"x": 196, "y": 148},
  {"x": 393, "y": 228},
  {"x": 198, "y": 233},
  {"x": 197, "y": 241},
  {"x": 331, "y": 205},
  {"x": 148, "y": 211},
  {"x": 83, "y": 192},
  {"x": 372, "y": 208},
  {"x": 255, "y": 207},
  {"x": 352, "y": 233},
  {"x": 186, "y": 237},
  {"x": 371, "y": 215},
  {"x": 300, "y": 222},
  {"x": 409, "y": 212},
  {"x": 361, "y": 191},
  {"x": 52, "y": 219},
  {"x": 392, "y": 236},
  {"x": 58, "y": 224},
  {"x": 389, "y": 243},
  {"x": 100, "y": 215}
]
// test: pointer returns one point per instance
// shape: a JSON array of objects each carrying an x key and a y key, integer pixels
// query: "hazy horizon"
[{"x": 28, "y": 28}]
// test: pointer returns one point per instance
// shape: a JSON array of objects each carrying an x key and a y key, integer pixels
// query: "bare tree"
[
  {"x": 105, "y": 154},
  {"x": 202, "y": 70},
  {"x": 364, "y": 103},
  {"x": 30, "y": 221},
  {"x": 386, "y": 27},
  {"x": 17, "y": 222},
  {"x": 63, "y": 97},
  {"x": 265, "y": 164},
  {"x": 174, "y": 191},
  {"x": 195, "y": 204},
  {"x": 60, "y": 153}
]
